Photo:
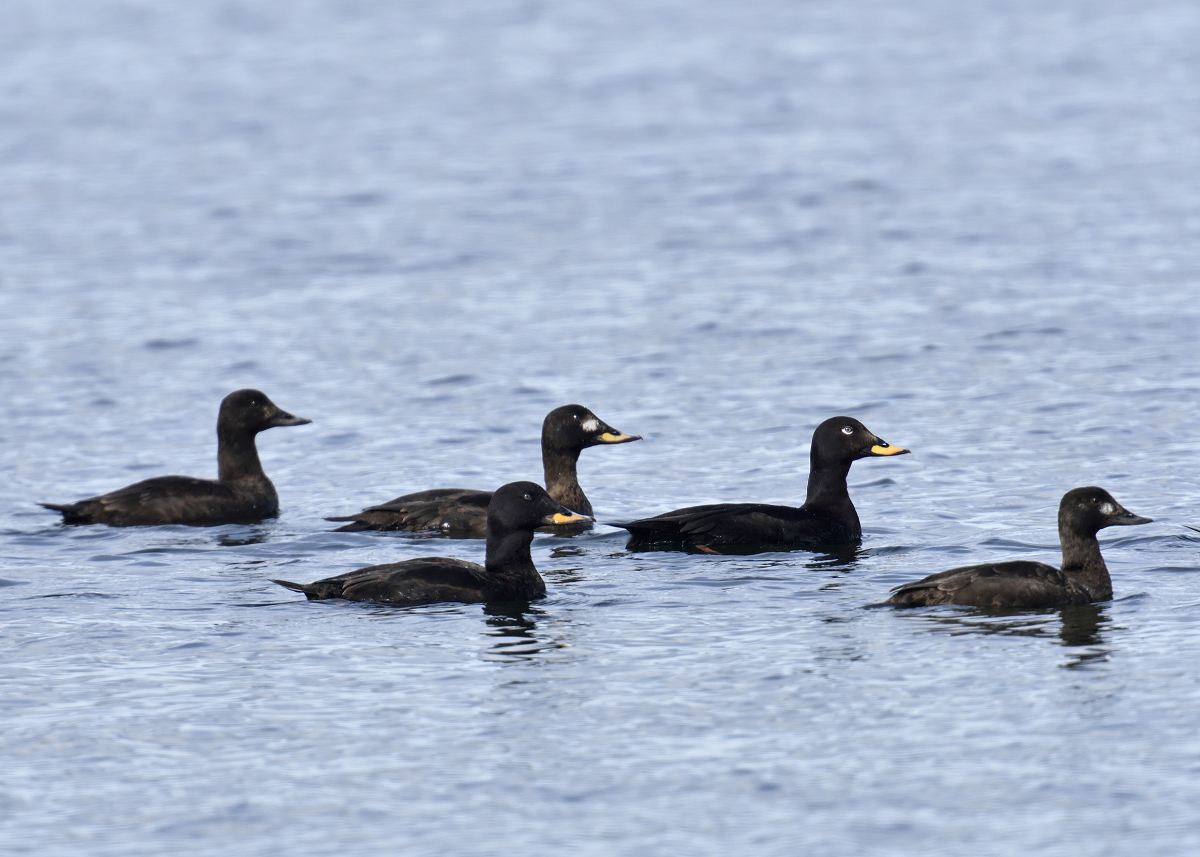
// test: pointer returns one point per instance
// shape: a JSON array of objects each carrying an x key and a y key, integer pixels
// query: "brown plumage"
[
  {"x": 241, "y": 493},
  {"x": 1083, "y": 577}
]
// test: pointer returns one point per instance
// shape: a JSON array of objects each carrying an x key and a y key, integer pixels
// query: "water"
[{"x": 973, "y": 226}]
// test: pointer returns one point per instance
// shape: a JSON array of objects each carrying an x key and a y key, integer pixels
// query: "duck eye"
[
  {"x": 528, "y": 496},
  {"x": 848, "y": 430}
]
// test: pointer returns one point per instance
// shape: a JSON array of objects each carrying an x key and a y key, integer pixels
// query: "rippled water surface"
[{"x": 424, "y": 225}]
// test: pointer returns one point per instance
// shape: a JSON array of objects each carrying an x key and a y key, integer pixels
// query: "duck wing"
[
  {"x": 168, "y": 500},
  {"x": 454, "y": 511},
  {"x": 738, "y": 524},
  {"x": 1017, "y": 583},
  {"x": 414, "y": 581}
]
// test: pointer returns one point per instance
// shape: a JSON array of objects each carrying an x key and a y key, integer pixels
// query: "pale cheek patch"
[
  {"x": 1108, "y": 508},
  {"x": 590, "y": 424}
]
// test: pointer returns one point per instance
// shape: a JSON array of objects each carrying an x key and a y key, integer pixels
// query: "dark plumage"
[
  {"x": 1083, "y": 577},
  {"x": 516, "y": 510},
  {"x": 826, "y": 518},
  {"x": 241, "y": 493},
  {"x": 462, "y": 512}
]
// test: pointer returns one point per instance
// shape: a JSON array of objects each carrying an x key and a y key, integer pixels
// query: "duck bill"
[
  {"x": 885, "y": 448},
  {"x": 566, "y": 516},
  {"x": 1125, "y": 518},
  {"x": 611, "y": 435},
  {"x": 283, "y": 418}
]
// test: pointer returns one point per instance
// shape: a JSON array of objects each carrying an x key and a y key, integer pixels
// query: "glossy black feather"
[
  {"x": 827, "y": 518},
  {"x": 415, "y": 581},
  {"x": 516, "y": 510},
  {"x": 740, "y": 524}
]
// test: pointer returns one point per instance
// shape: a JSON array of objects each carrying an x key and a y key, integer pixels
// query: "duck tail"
[
  {"x": 295, "y": 587},
  {"x": 354, "y": 526},
  {"x": 73, "y": 513}
]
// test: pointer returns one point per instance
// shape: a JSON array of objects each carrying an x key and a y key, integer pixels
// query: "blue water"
[{"x": 973, "y": 226}]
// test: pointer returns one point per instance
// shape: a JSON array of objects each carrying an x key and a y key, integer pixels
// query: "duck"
[
  {"x": 1083, "y": 578},
  {"x": 827, "y": 518},
  {"x": 508, "y": 573},
  {"x": 240, "y": 494},
  {"x": 462, "y": 512}
]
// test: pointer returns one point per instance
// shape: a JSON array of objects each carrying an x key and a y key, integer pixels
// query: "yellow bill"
[
  {"x": 617, "y": 437},
  {"x": 569, "y": 518}
]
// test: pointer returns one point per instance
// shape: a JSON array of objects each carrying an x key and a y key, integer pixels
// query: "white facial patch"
[
  {"x": 590, "y": 424},
  {"x": 1108, "y": 508}
]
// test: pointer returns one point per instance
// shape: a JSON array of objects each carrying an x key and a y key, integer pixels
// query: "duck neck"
[
  {"x": 510, "y": 563},
  {"x": 828, "y": 494},
  {"x": 562, "y": 482},
  {"x": 1082, "y": 560},
  {"x": 237, "y": 456}
]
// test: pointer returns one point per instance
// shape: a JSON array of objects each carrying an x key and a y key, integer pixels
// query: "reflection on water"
[
  {"x": 829, "y": 556},
  {"x": 1082, "y": 623},
  {"x": 1079, "y": 625},
  {"x": 823, "y": 554},
  {"x": 844, "y": 557},
  {"x": 842, "y": 564},
  {"x": 515, "y": 629},
  {"x": 254, "y": 536}
]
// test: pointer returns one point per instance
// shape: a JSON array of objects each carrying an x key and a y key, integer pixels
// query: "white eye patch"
[
  {"x": 590, "y": 424},
  {"x": 848, "y": 430},
  {"x": 1108, "y": 508}
]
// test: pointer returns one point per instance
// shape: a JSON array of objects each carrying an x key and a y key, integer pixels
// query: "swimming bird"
[
  {"x": 462, "y": 512},
  {"x": 508, "y": 574},
  {"x": 1083, "y": 577},
  {"x": 826, "y": 518},
  {"x": 241, "y": 493}
]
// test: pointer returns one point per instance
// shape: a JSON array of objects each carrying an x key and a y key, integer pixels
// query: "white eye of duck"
[
  {"x": 848, "y": 430},
  {"x": 528, "y": 497}
]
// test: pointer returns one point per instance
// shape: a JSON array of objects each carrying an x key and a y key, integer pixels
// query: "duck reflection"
[
  {"x": 843, "y": 557},
  {"x": 1077, "y": 626},
  {"x": 560, "y": 552},
  {"x": 514, "y": 627},
  {"x": 251, "y": 536},
  {"x": 822, "y": 557},
  {"x": 1082, "y": 624}
]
